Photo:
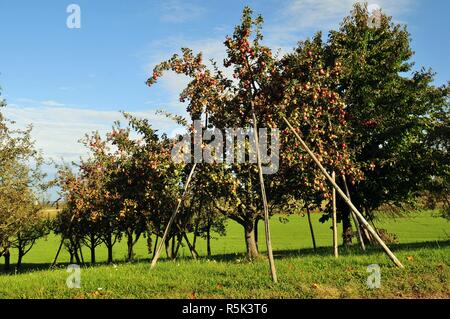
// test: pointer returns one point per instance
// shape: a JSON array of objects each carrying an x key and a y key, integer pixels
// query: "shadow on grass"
[{"x": 355, "y": 250}]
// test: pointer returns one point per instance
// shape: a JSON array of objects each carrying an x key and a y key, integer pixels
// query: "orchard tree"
[
  {"x": 128, "y": 180},
  {"x": 145, "y": 178},
  {"x": 229, "y": 103},
  {"x": 200, "y": 209},
  {"x": 77, "y": 222},
  {"x": 312, "y": 105},
  {"x": 299, "y": 87},
  {"x": 92, "y": 209},
  {"x": 101, "y": 202},
  {"x": 391, "y": 112}
]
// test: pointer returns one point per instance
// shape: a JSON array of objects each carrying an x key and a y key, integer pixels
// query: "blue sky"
[{"x": 68, "y": 82}]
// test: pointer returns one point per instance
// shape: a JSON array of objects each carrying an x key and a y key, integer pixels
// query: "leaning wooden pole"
[
  {"x": 273, "y": 270},
  {"x": 355, "y": 219},
  {"x": 62, "y": 242},
  {"x": 335, "y": 233},
  {"x": 57, "y": 253},
  {"x": 172, "y": 218},
  {"x": 346, "y": 199}
]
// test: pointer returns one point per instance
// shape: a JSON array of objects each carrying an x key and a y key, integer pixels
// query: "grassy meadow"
[{"x": 424, "y": 248}]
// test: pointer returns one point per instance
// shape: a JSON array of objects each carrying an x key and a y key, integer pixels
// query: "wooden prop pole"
[
  {"x": 346, "y": 199},
  {"x": 335, "y": 235},
  {"x": 273, "y": 270},
  {"x": 172, "y": 218},
  {"x": 62, "y": 242},
  {"x": 57, "y": 253},
  {"x": 355, "y": 220}
]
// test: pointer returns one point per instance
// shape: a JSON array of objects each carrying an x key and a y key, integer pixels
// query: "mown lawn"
[{"x": 424, "y": 248}]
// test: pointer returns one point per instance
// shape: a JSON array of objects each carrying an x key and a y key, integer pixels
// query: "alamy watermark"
[
  {"x": 375, "y": 16},
  {"x": 74, "y": 19},
  {"x": 374, "y": 279},
  {"x": 73, "y": 281},
  {"x": 234, "y": 145}
]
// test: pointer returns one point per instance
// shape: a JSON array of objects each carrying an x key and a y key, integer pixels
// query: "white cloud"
[
  {"x": 176, "y": 11},
  {"x": 52, "y": 103},
  {"x": 57, "y": 130},
  {"x": 306, "y": 16}
]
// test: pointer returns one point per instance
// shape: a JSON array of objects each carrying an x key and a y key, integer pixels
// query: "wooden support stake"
[
  {"x": 62, "y": 242},
  {"x": 355, "y": 219},
  {"x": 335, "y": 235},
  {"x": 172, "y": 218},
  {"x": 346, "y": 199},
  {"x": 57, "y": 253},
  {"x": 273, "y": 270}
]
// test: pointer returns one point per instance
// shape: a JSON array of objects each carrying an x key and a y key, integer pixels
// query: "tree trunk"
[
  {"x": 256, "y": 234},
  {"x": 81, "y": 253},
  {"x": 92, "y": 255},
  {"x": 19, "y": 259},
  {"x": 149, "y": 243},
  {"x": 168, "y": 250},
  {"x": 130, "y": 246},
  {"x": 71, "y": 255},
  {"x": 179, "y": 239},
  {"x": 347, "y": 231},
  {"x": 75, "y": 253},
  {"x": 110, "y": 254},
  {"x": 172, "y": 250},
  {"x": 109, "y": 246},
  {"x": 208, "y": 239},
  {"x": 194, "y": 242},
  {"x": 7, "y": 256},
  {"x": 155, "y": 247},
  {"x": 92, "y": 248},
  {"x": 252, "y": 251}
]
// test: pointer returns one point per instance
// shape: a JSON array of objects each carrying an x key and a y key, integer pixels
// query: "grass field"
[{"x": 424, "y": 248}]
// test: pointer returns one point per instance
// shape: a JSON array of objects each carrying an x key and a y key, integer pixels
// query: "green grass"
[{"x": 424, "y": 248}]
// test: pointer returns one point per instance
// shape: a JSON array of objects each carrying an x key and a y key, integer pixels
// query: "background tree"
[
  {"x": 437, "y": 188},
  {"x": 91, "y": 206},
  {"x": 29, "y": 224},
  {"x": 128, "y": 187},
  {"x": 21, "y": 180},
  {"x": 145, "y": 177},
  {"x": 75, "y": 222}
]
